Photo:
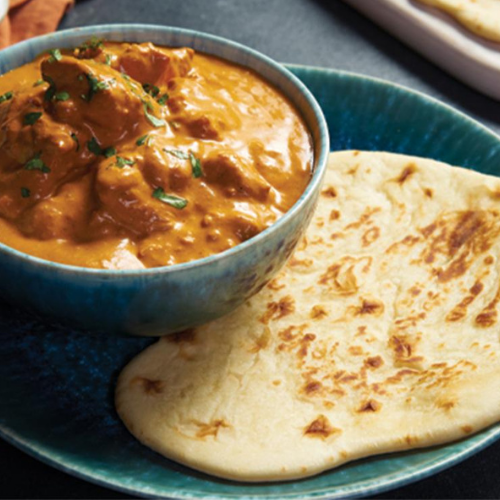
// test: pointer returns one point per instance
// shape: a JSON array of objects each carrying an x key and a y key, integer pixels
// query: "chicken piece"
[
  {"x": 162, "y": 168},
  {"x": 205, "y": 115},
  {"x": 154, "y": 65},
  {"x": 128, "y": 198},
  {"x": 37, "y": 154},
  {"x": 235, "y": 176},
  {"x": 110, "y": 106},
  {"x": 61, "y": 216}
]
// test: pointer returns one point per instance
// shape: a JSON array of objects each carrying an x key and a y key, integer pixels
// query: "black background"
[{"x": 319, "y": 33}]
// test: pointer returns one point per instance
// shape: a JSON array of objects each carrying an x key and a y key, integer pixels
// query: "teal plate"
[{"x": 56, "y": 386}]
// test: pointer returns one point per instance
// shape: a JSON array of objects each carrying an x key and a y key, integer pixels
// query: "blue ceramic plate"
[{"x": 56, "y": 385}]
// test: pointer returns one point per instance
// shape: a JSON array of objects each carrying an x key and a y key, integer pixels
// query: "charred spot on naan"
[
  {"x": 489, "y": 315},
  {"x": 370, "y": 406},
  {"x": 329, "y": 192},
  {"x": 373, "y": 362},
  {"x": 368, "y": 307},
  {"x": 318, "y": 312},
  {"x": 342, "y": 277},
  {"x": 406, "y": 173},
  {"x": 149, "y": 386},
  {"x": 366, "y": 218},
  {"x": 456, "y": 239},
  {"x": 460, "y": 310},
  {"x": 321, "y": 428},
  {"x": 210, "y": 429},
  {"x": 278, "y": 309}
]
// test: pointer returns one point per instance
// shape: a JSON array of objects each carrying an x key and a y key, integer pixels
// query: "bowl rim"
[{"x": 320, "y": 160}]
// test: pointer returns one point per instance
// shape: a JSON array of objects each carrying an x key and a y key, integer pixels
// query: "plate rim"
[{"x": 397, "y": 479}]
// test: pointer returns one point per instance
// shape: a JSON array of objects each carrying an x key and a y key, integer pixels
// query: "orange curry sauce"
[{"x": 119, "y": 155}]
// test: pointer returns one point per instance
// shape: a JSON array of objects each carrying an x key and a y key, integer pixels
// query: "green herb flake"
[
  {"x": 51, "y": 91},
  {"x": 61, "y": 96},
  {"x": 75, "y": 138},
  {"x": 156, "y": 122},
  {"x": 175, "y": 124},
  {"x": 170, "y": 199},
  {"x": 126, "y": 77},
  {"x": 6, "y": 97},
  {"x": 25, "y": 192},
  {"x": 31, "y": 118},
  {"x": 142, "y": 140},
  {"x": 108, "y": 152},
  {"x": 93, "y": 146},
  {"x": 55, "y": 55},
  {"x": 152, "y": 90},
  {"x": 177, "y": 153},
  {"x": 163, "y": 99},
  {"x": 38, "y": 83},
  {"x": 196, "y": 166},
  {"x": 36, "y": 163},
  {"x": 108, "y": 60},
  {"x": 94, "y": 43},
  {"x": 94, "y": 86},
  {"x": 122, "y": 162}
]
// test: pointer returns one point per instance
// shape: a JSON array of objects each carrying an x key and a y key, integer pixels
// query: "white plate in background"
[{"x": 437, "y": 36}]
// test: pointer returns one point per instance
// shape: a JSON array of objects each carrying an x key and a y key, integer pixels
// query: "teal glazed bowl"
[{"x": 162, "y": 300}]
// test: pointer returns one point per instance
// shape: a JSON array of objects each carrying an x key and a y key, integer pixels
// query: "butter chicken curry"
[{"x": 119, "y": 155}]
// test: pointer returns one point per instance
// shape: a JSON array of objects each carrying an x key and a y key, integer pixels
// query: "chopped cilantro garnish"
[
  {"x": 175, "y": 124},
  {"x": 36, "y": 163},
  {"x": 108, "y": 59},
  {"x": 31, "y": 118},
  {"x": 177, "y": 153},
  {"x": 38, "y": 83},
  {"x": 94, "y": 86},
  {"x": 108, "y": 152},
  {"x": 75, "y": 138},
  {"x": 6, "y": 97},
  {"x": 94, "y": 147},
  {"x": 163, "y": 99},
  {"x": 170, "y": 199},
  {"x": 122, "y": 162},
  {"x": 93, "y": 44},
  {"x": 55, "y": 55},
  {"x": 51, "y": 91},
  {"x": 156, "y": 122},
  {"x": 25, "y": 192},
  {"x": 61, "y": 96},
  {"x": 195, "y": 162},
  {"x": 142, "y": 140},
  {"x": 196, "y": 166},
  {"x": 126, "y": 77},
  {"x": 152, "y": 90}
]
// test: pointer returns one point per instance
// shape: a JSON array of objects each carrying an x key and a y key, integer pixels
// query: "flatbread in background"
[
  {"x": 381, "y": 334},
  {"x": 482, "y": 17}
]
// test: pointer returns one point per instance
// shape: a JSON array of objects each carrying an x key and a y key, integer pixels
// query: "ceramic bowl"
[{"x": 163, "y": 300}]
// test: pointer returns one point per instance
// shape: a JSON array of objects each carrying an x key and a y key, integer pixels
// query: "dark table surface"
[{"x": 320, "y": 33}]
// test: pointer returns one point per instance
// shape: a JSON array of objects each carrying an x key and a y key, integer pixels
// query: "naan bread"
[
  {"x": 482, "y": 17},
  {"x": 381, "y": 334}
]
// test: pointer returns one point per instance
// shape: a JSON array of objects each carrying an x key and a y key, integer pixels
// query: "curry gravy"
[{"x": 119, "y": 155}]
